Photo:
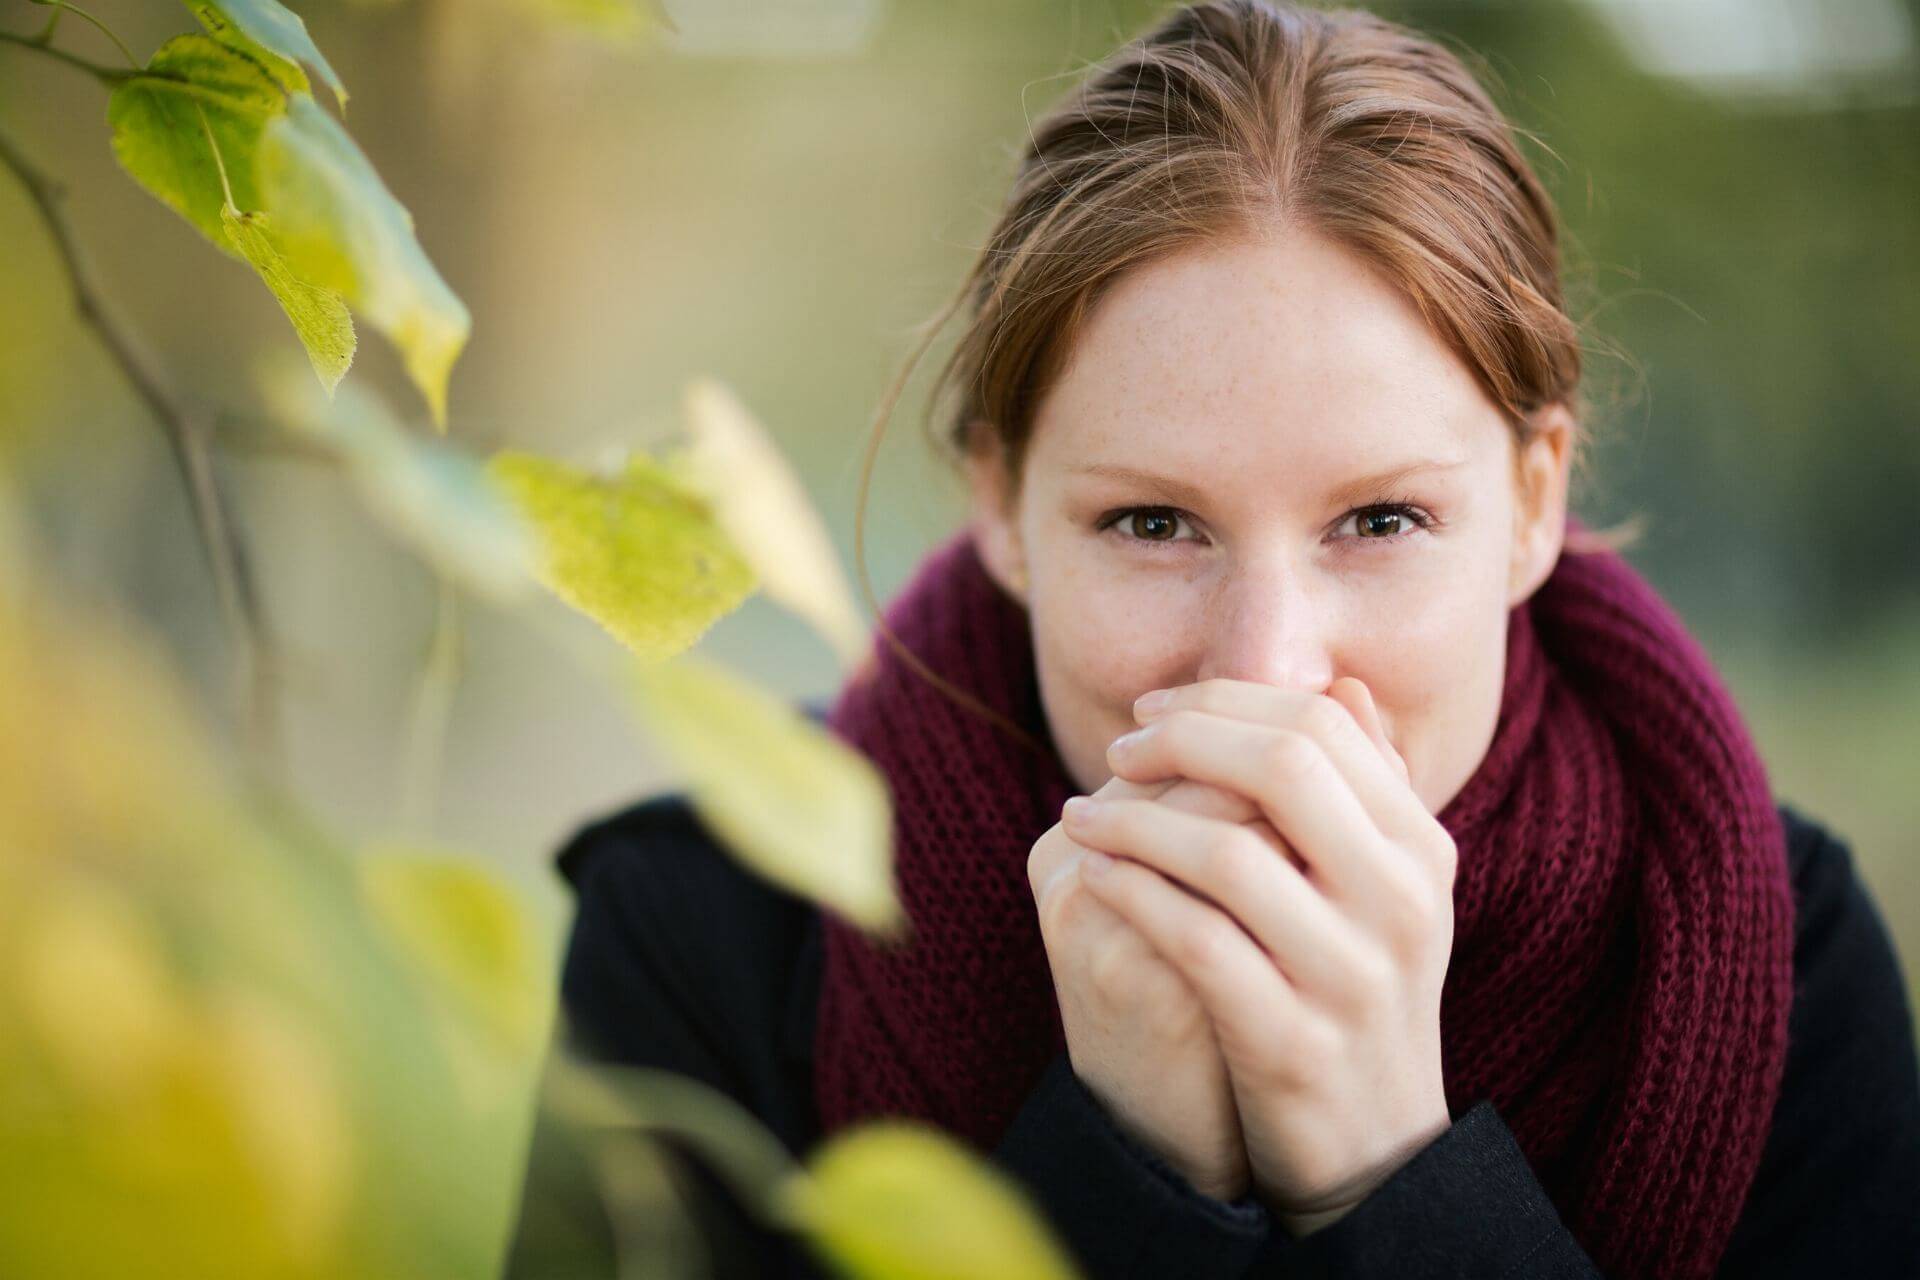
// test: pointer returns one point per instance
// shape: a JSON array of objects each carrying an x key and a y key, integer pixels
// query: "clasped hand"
[{"x": 1249, "y": 928}]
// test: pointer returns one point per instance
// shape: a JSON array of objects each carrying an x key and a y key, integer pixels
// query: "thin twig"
[
  {"x": 186, "y": 432},
  {"x": 62, "y": 6},
  {"x": 427, "y": 722},
  {"x": 106, "y": 75}
]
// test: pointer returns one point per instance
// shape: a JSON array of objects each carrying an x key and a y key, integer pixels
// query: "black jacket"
[{"x": 680, "y": 959}]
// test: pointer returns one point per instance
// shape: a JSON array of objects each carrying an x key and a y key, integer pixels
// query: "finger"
[
  {"x": 1051, "y": 859},
  {"x": 1292, "y": 778},
  {"x": 1243, "y": 991},
  {"x": 1238, "y": 871},
  {"x": 1353, "y": 694},
  {"x": 1381, "y": 787}
]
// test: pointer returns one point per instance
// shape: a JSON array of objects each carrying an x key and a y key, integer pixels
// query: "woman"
[{"x": 1439, "y": 918}]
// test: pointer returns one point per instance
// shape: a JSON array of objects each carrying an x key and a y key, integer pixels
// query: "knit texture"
[{"x": 1622, "y": 962}]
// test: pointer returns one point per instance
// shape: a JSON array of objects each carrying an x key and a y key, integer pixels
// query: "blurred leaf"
[
  {"x": 907, "y": 1202},
  {"x": 272, "y": 33},
  {"x": 637, "y": 552},
  {"x": 159, "y": 140},
  {"x": 765, "y": 510},
  {"x": 319, "y": 315},
  {"x": 437, "y": 500},
  {"x": 470, "y": 931},
  {"x": 212, "y": 1062},
  {"x": 289, "y": 1108},
  {"x": 599, "y": 1096},
  {"x": 340, "y": 228},
  {"x": 793, "y": 803}
]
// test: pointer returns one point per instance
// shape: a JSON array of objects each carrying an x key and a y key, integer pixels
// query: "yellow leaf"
[
  {"x": 319, "y": 315},
  {"x": 794, "y": 803},
  {"x": 288, "y": 1109},
  {"x": 637, "y": 552},
  {"x": 339, "y": 227},
  {"x": 84, "y": 959},
  {"x": 906, "y": 1202},
  {"x": 765, "y": 510},
  {"x": 469, "y": 931}
]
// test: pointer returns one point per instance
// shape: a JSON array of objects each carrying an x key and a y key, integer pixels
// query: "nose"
[{"x": 1262, "y": 626}]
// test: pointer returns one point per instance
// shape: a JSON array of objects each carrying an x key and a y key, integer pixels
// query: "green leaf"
[
  {"x": 319, "y": 315},
  {"x": 272, "y": 33},
  {"x": 470, "y": 932},
  {"x": 765, "y": 510},
  {"x": 637, "y": 552},
  {"x": 437, "y": 500},
  {"x": 603, "y": 1097},
  {"x": 905, "y": 1202},
  {"x": 159, "y": 140},
  {"x": 794, "y": 803},
  {"x": 340, "y": 228}
]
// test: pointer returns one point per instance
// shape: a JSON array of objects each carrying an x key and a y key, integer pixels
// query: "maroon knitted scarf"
[{"x": 1623, "y": 921}]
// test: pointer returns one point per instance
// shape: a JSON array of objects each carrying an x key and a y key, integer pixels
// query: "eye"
[
  {"x": 1145, "y": 524},
  {"x": 1387, "y": 522}
]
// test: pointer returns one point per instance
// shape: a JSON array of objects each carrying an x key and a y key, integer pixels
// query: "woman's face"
[{"x": 1260, "y": 464}]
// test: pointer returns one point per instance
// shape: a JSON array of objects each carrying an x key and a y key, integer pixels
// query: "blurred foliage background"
[{"x": 776, "y": 194}]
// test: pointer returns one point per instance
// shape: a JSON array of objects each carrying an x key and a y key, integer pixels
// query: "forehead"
[{"x": 1287, "y": 352}]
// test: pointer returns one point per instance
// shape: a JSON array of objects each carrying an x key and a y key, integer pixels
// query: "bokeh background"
[{"x": 777, "y": 194}]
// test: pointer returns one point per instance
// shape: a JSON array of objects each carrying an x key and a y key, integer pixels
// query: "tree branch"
[
  {"x": 186, "y": 434},
  {"x": 108, "y": 76}
]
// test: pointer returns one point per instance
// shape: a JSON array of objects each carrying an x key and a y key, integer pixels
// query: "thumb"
[{"x": 1353, "y": 694}]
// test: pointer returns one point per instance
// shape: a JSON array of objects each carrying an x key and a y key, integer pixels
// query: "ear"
[
  {"x": 1540, "y": 507},
  {"x": 994, "y": 518}
]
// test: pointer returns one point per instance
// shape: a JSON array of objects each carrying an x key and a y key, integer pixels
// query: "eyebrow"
[{"x": 1353, "y": 490}]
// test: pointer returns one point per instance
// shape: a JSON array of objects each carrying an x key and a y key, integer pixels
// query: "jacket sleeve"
[
  {"x": 1121, "y": 1210},
  {"x": 1466, "y": 1204},
  {"x": 1838, "y": 1190}
]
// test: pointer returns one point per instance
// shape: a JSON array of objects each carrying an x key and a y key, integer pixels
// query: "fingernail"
[
  {"x": 1125, "y": 741},
  {"x": 1148, "y": 703},
  {"x": 1077, "y": 807}
]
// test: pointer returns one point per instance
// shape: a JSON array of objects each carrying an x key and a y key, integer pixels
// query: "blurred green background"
[{"x": 779, "y": 193}]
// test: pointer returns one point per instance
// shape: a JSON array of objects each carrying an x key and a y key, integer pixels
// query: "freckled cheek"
[
  {"x": 1425, "y": 652},
  {"x": 1098, "y": 650},
  {"x": 1112, "y": 646}
]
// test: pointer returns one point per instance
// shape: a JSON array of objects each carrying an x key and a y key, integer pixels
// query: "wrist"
[
  {"x": 1304, "y": 1220},
  {"x": 1299, "y": 1224}
]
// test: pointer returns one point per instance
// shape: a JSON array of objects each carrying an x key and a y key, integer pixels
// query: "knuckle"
[
  {"x": 1317, "y": 1045},
  {"x": 1372, "y": 972},
  {"x": 1230, "y": 862},
  {"x": 1293, "y": 755},
  {"x": 1110, "y": 969},
  {"x": 1323, "y": 717},
  {"x": 1176, "y": 728},
  {"x": 1038, "y": 864},
  {"x": 1207, "y": 695},
  {"x": 1199, "y": 946},
  {"x": 1410, "y": 909},
  {"x": 1172, "y": 1012},
  {"x": 1055, "y": 914},
  {"x": 1445, "y": 853},
  {"x": 1045, "y": 857}
]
